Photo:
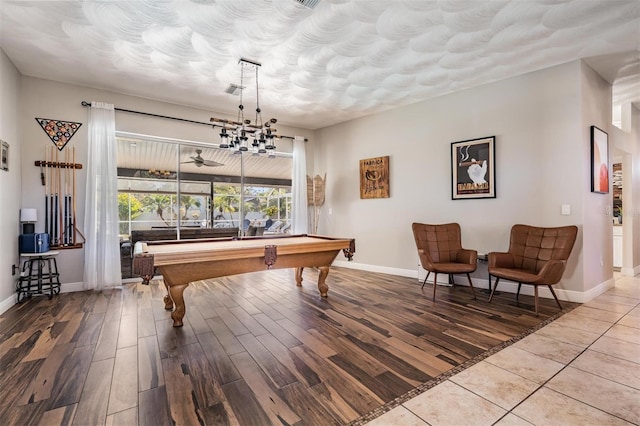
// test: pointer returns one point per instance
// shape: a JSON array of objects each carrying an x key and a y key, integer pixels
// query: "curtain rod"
[{"x": 88, "y": 104}]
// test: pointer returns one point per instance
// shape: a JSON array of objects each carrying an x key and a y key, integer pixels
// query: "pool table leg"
[
  {"x": 168, "y": 303},
  {"x": 322, "y": 276},
  {"x": 176, "y": 292},
  {"x": 299, "y": 277}
]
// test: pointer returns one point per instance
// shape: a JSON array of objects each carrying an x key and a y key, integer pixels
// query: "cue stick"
[
  {"x": 73, "y": 198},
  {"x": 68, "y": 208},
  {"x": 69, "y": 224},
  {"x": 51, "y": 186},
  {"x": 67, "y": 183},
  {"x": 61, "y": 233},
  {"x": 56, "y": 203},
  {"x": 65, "y": 234},
  {"x": 46, "y": 192}
]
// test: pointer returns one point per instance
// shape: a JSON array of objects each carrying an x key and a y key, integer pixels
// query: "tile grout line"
[{"x": 562, "y": 369}]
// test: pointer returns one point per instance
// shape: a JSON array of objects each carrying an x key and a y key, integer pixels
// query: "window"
[{"x": 164, "y": 183}]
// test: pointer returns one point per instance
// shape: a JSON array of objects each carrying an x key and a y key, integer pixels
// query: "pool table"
[{"x": 181, "y": 262}]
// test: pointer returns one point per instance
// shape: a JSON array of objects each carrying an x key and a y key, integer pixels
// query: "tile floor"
[{"x": 582, "y": 369}]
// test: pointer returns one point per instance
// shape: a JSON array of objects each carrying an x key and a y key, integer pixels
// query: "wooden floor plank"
[
  {"x": 123, "y": 418},
  {"x": 247, "y": 409},
  {"x": 206, "y": 389},
  {"x": 17, "y": 383},
  {"x": 124, "y": 386},
  {"x": 62, "y": 416},
  {"x": 107, "y": 340},
  {"x": 355, "y": 393},
  {"x": 225, "y": 336},
  {"x": 89, "y": 329},
  {"x": 180, "y": 393},
  {"x": 128, "y": 333},
  {"x": 278, "y": 331},
  {"x": 289, "y": 360},
  {"x": 149, "y": 372},
  {"x": 146, "y": 322},
  {"x": 40, "y": 388},
  {"x": 274, "y": 407},
  {"x": 153, "y": 408},
  {"x": 70, "y": 378},
  {"x": 223, "y": 368},
  {"x": 278, "y": 373},
  {"x": 248, "y": 321},
  {"x": 92, "y": 408}
]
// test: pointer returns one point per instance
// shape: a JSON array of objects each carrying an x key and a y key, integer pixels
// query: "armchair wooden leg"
[
  {"x": 435, "y": 281},
  {"x": 471, "y": 285},
  {"x": 425, "y": 278},
  {"x": 495, "y": 284},
  {"x": 535, "y": 290},
  {"x": 555, "y": 297},
  {"x": 518, "y": 292}
]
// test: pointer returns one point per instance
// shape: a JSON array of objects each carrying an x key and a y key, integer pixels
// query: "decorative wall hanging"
[
  {"x": 599, "y": 161},
  {"x": 374, "y": 177},
  {"x": 60, "y": 132},
  {"x": 473, "y": 169},
  {"x": 315, "y": 197},
  {"x": 4, "y": 165}
]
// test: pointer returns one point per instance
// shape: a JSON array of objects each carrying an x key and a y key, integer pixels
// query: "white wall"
[
  {"x": 541, "y": 157},
  {"x": 631, "y": 194},
  {"x": 597, "y": 214},
  {"x": 48, "y": 99},
  {"x": 635, "y": 192},
  {"x": 10, "y": 185}
]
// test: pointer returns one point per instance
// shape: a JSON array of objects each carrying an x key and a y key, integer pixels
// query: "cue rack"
[{"x": 58, "y": 176}]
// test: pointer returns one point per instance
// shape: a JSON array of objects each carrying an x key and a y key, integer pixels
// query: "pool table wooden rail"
[{"x": 182, "y": 262}]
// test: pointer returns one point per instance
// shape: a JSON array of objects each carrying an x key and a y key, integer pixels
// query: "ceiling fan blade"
[{"x": 211, "y": 163}]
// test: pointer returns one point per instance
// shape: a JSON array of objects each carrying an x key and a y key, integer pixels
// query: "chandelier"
[{"x": 242, "y": 135}]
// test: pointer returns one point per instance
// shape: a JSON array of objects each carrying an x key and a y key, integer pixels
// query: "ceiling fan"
[{"x": 199, "y": 161}]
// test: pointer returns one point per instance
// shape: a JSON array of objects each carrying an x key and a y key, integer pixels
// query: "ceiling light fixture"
[
  {"x": 160, "y": 174},
  {"x": 235, "y": 135}
]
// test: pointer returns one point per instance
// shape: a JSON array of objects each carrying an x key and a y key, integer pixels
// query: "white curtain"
[
  {"x": 299, "y": 187},
  {"x": 102, "y": 247}
]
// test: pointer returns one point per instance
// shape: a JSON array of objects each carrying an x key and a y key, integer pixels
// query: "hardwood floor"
[{"x": 254, "y": 349}]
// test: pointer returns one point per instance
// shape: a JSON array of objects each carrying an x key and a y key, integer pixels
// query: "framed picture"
[
  {"x": 4, "y": 165},
  {"x": 374, "y": 177},
  {"x": 473, "y": 169},
  {"x": 599, "y": 161}
]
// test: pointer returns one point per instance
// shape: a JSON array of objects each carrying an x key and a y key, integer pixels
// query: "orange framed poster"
[{"x": 374, "y": 177}]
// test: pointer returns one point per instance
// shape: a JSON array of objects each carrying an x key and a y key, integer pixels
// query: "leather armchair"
[
  {"x": 537, "y": 256},
  {"x": 440, "y": 251}
]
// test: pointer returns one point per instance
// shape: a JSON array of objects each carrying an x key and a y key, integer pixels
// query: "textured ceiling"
[{"x": 342, "y": 60}]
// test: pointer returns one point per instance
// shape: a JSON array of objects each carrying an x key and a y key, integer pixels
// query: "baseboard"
[
  {"x": 443, "y": 279},
  {"x": 7, "y": 303},
  {"x": 72, "y": 287},
  {"x": 630, "y": 272},
  {"x": 503, "y": 286}
]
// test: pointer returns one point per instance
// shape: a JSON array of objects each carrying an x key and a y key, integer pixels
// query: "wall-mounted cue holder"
[
  {"x": 60, "y": 165},
  {"x": 58, "y": 176}
]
